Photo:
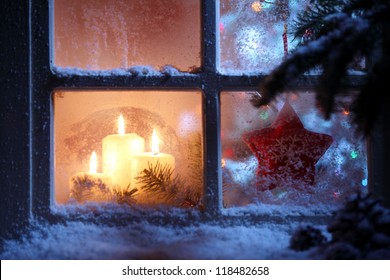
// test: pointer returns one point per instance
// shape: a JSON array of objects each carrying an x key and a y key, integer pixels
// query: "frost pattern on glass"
[
  {"x": 101, "y": 34},
  {"x": 340, "y": 172},
  {"x": 87, "y": 121},
  {"x": 254, "y": 34}
]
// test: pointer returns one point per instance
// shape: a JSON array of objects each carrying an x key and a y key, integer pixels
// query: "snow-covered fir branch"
[{"x": 333, "y": 35}]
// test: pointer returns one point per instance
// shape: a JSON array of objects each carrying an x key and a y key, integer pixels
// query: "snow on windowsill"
[
  {"x": 312, "y": 72},
  {"x": 82, "y": 238},
  {"x": 107, "y": 210},
  {"x": 281, "y": 210},
  {"x": 143, "y": 240},
  {"x": 141, "y": 70},
  {"x": 167, "y": 70}
]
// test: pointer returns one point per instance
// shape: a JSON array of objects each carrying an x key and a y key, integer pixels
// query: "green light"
[
  {"x": 264, "y": 115},
  {"x": 354, "y": 154}
]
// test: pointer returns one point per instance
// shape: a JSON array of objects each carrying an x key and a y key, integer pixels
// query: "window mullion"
[
  {"x": 212, "y": 151},
  {"x": 211, "y": 115},
  {"x": 209, "y": 23}
]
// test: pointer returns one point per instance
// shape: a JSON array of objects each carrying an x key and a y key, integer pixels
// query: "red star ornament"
[{"x": 286, "y": 151}]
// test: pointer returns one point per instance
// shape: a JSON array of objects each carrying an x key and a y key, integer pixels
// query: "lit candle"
[
  {"x": 151, "y": 159},
  {"x": 118, "y": 150},
  {"x": 89, "y": 185}
]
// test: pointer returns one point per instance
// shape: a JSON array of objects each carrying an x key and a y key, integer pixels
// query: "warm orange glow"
[
  {"x": 121, "y": 125},
  {"x": 155, "y": 149},
  {"x": 122, "y": 33},
  {"x": 223, "y": 163},
  {"x": 93, "y": 163},
  {"x": 346, "y": 112},
  {"x": 256, "y": 6}
]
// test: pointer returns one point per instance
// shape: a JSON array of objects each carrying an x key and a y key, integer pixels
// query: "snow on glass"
[
  {"x": 340, "y": 172},
  {"x": 104, "y": 140},
  {"x": 103, "y": 35},
  {"x": 254, "y": 35}
]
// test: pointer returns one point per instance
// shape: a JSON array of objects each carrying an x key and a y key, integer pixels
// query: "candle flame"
[
  {"x": 121, "y": 125},
  {"x": 93, "y": 163},
  {"x": 155, "y": 149}
]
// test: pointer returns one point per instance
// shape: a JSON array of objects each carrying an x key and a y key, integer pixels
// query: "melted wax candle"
[
  {"x": 91, "y": 186},
  {"x": 118, "y": 151},
  {"x": 149, "y": 160}
]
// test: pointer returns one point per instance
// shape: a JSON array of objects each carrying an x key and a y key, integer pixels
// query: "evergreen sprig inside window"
[
  {"x": 156, "y": 178},
  {"x": 159, "y": 181}
]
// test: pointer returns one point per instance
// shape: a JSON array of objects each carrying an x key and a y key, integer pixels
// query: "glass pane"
[
  {"x": 286, "y": 158},
  {"x": 103, "y": 34},
  {"x": 132, "y": 147},
  {"x": 254, "y": 34}
]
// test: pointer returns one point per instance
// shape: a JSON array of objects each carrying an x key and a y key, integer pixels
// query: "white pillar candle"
[
  {"x": 118, "y": 150},
  {"x": 151, "y": 159},
  {"x": 91, "y": 186}
]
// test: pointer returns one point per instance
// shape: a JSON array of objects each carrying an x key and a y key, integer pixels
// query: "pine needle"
[{"x": 155, "y": 178}]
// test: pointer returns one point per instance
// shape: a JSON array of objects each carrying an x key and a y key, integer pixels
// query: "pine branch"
[
  {"x": 195, "y": 160},
  {"x": 333, "y": 35},
  {"x": 76, "y": 192},
  {"x": 123, "y": 196},
  {"x": 192, "y": 192},
  {"x": 84, "y": 188},
  {"x": 158, "y": 181},
  {"x": 191, "y": 201},
  {"x": 310, "y": 24},
  {"x": 155, "y": 178},
  {"x": 181, "y": 194}
]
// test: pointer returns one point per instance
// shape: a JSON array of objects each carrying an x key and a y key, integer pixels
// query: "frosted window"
[
  {"x": 86, "y": 127},
  {"x": 251, "y": 33},
  {"x": 102, "y": 34},
  {"x": 273, "y": 172}
]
